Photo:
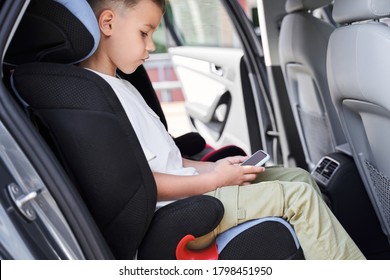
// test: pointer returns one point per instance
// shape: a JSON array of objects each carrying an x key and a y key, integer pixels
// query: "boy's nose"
[{"x": 151, "y": 47}]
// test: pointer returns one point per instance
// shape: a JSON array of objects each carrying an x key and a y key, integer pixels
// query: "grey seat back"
[
  {"x": 302, "y": 46},
  {"x": 359, "y": 80}
]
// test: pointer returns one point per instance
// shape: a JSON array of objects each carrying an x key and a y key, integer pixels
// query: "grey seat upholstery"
[
  {"x": 302, "y": 48},
  {"x": 358, "y": 62}
]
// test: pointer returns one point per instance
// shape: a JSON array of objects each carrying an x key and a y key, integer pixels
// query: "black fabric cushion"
[
  {"x": 265, "y": 241},
  {"x": 190, "y": 144},
  {"x": 226, "y": 151},
  {"x": 197, "y": 215},
  {"x": 87, "y": 127},
  {"x": 49, "y": 32}
]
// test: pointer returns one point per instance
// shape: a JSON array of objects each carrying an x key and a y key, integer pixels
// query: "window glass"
[
  {"x": 159, "y": 38},
  {"x": 202, "y": 23}
]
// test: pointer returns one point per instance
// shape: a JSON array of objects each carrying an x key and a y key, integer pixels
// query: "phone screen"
[{"x": 258, "y": 158}]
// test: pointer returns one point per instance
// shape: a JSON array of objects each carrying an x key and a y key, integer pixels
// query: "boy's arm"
[
  {"x": 170, "y": 187},
  {"x": 206, "y": 166},
  {"x": 225, "y": 172},
  {"x": 200, "y": 166}
]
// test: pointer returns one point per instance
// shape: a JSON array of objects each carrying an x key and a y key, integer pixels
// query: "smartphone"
[{"x": 257, "y": 159}]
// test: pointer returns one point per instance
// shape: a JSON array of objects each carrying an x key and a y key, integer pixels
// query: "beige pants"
[{"x": 290, "y": 193}]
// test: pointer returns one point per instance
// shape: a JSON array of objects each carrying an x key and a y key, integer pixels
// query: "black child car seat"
[{"x": 82, "y": 120}]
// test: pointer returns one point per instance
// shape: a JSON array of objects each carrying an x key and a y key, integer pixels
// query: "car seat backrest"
[
  {"x": 358, "y": 60},
  {"x": 82, "y": 119},
  {"x": 302, "y": 48},
  {"x": 54, "y": 31},
  {"x": 349, "y": 11}
]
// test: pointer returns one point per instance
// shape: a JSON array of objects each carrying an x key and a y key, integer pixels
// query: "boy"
[{"x": 126, "y": 28}]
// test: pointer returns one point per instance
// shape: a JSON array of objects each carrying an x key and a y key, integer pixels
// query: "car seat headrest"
[
  {"x": 305, "y": 5},
  {"x": 348, "y": 11},
  {"x": 60, "y": 31}
]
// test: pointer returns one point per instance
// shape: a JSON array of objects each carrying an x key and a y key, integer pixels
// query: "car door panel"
[
  {"x": 211, "y": 84},
  {"x": 28, "y": 211}
]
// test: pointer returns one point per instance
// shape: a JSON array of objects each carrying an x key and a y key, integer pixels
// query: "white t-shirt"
[{"x": 159, "y": 148}]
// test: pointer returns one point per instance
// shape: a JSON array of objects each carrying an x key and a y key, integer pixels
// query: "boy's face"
[{"x": 131, "y": 35}]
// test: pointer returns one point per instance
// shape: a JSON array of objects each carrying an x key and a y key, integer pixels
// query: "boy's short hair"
[{"x": 98, "y": 5}]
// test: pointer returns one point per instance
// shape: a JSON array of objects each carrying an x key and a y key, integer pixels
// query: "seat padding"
[
  {"x": 302, "y": 50},
  {"x": 357, "y": 65},
  {"x": 87, "y": 127}
]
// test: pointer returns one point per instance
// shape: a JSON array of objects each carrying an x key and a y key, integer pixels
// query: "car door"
[
  {"x": 219, "y": 62},
  {"x": 41, "y": 214}
]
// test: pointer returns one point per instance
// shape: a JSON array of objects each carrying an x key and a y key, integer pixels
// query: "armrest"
[{"x": 197, "y": 215}]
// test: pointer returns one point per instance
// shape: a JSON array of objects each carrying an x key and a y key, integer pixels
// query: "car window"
[
  {"x": 160, "y": 39},
  {"x": 202, "y": 23}
]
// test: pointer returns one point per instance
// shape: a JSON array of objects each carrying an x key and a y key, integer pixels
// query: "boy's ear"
[{"x": 105, "y": 21}]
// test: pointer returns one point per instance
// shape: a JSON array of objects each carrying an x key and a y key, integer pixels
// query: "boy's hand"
[{"x": 228, "y": 172}]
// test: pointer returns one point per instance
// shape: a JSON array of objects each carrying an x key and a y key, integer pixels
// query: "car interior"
[
  {"x": 69, "y": 106},
  {"x": 330, "y": 102},
  {"x": 191, "y": 145},
  {"x": 303, "y": 46},
  {"x": 358, "y": 48}
]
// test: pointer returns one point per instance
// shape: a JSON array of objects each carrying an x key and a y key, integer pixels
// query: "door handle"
[{"x": 215, "y": 69}]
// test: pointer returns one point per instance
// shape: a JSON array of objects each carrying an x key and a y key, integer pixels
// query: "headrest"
[
  {"x": 348, "y": 11},
  {"x": 305, "y": 5},
  {"x": 62, "y": 31}
]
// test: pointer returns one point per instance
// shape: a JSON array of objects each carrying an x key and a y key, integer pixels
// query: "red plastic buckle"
[{"x": 183, "y": 253}]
